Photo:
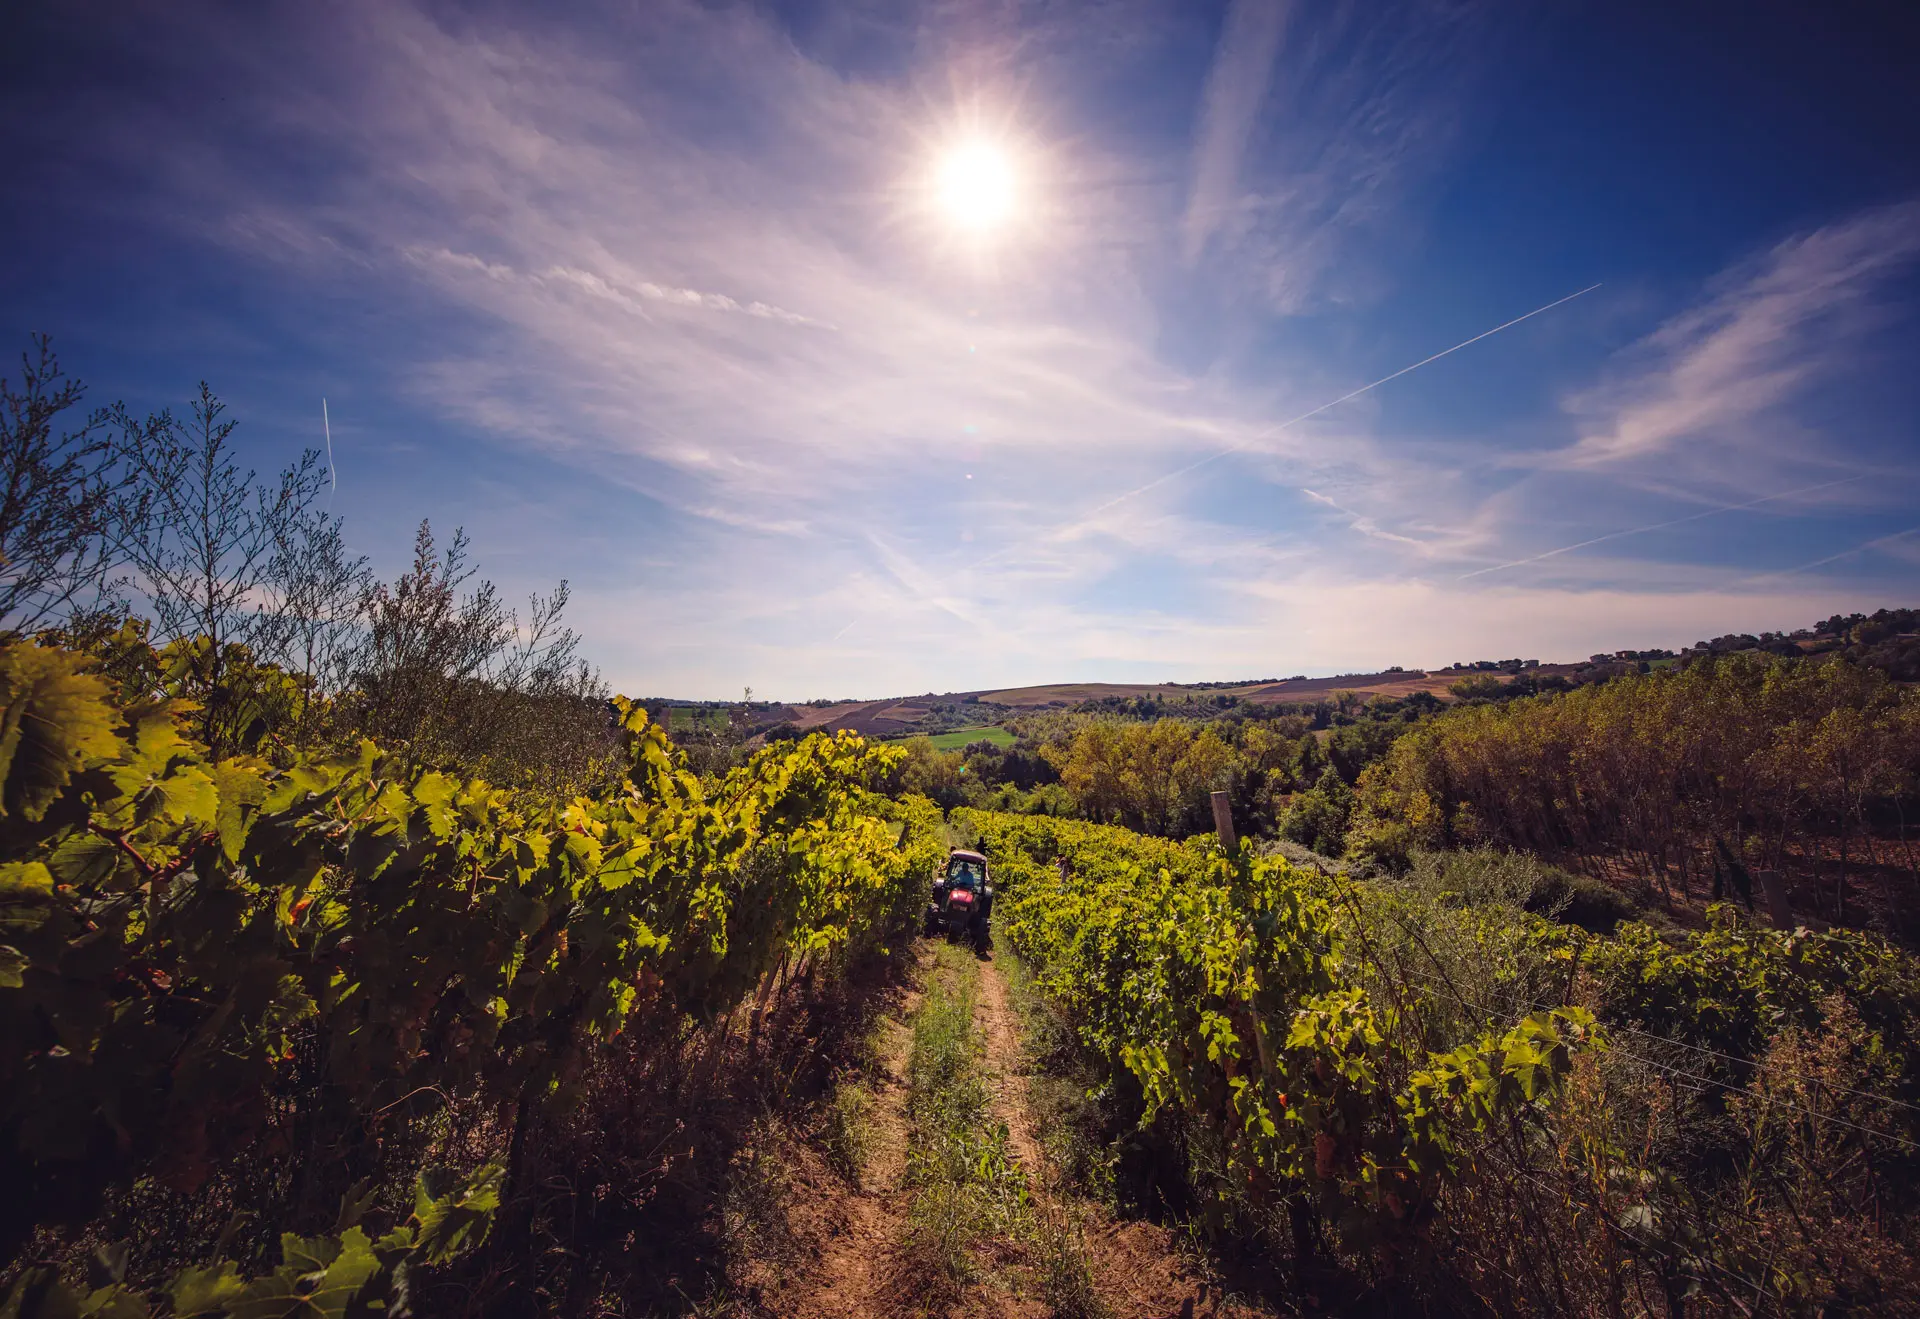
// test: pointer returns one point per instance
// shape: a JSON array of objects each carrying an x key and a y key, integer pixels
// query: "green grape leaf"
[
  {"x": 241, "y": 789},
  {"x": 187, "y": 795},
  {"x": 114, "y": 1302},
  {"x": 86, "y": 860},
  {"x": 454, "y": 1216},
  {"x": 53, "y": 718},
  {"x": 319, "y": 1279},
  {"x": 300, "y": 780},
  {"x": 39, "y": 1294},
  {"x": 208, "y": 1291},
  {"x": 354, "y": 1204},
  {"x": 307, "y": 1254},
  {"x": 107, "y": 1266}
]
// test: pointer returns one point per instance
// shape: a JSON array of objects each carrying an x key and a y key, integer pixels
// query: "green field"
[
  {"x": 961, "y": 737},
  {"x": 685, "y": 717}
]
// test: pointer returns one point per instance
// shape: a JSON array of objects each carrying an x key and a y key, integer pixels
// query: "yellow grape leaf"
[
  {"x": 436, "y": 792},
  {"x": 26, "y": 893}
]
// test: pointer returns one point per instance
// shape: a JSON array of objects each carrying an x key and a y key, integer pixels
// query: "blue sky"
[{"x": 663, "y": 298}]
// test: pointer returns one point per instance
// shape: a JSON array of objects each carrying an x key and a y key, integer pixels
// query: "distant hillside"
[{"x": 1888, "y": 639}]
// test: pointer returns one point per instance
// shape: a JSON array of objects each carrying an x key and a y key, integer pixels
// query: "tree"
[
  {"x": 1206, "y": 765},
  {"x": 1478, "y": 687},
  {"x": 321, "y": 591},
  {"x": 423, "y": 640},
  {"x": 1309, "y": 759},
  {"x": 1788, "y": 764},
  {"x": 204, "y": 543},
  {"x": 57, "y": 493},
  {"x": 1318, "y": 818},
  {"x": 449, "y": 672}
]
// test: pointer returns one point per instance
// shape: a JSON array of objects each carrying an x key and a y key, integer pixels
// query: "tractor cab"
[
  {"x": 962, "y": 904},
  {"x": 966, "y": 870}
]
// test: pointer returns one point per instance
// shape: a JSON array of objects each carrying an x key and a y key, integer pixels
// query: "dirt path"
[
  {"x": 1138, "y": 1270},
  {"x": 842, "y": 1259},
  {"x": 852, "y": 1230},
  {"x": 1000, "y": 1028}
]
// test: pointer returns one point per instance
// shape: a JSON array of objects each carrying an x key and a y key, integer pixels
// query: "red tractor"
[{"x": 962, "y": 905}]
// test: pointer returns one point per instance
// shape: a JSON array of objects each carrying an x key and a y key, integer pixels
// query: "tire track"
[{"x": 1138, "y": 1268}]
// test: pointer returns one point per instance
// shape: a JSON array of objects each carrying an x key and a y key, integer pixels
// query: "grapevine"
[
  {"x": 1226, "y": 986},
  {"x": 185, "y": 942}
]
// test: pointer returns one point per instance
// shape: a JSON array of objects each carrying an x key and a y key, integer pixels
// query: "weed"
[
  {"x": 968, "y": 1191},
  {"x": 753, "y": 1205},
  {"x": 848, "y": 1136},
  {"x": 1061, "y": 1086},
  {"x": 1066, "y": 1281}
]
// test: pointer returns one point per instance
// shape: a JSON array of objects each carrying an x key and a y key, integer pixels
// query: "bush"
[
  {"x": 1574, "y": 899},
  {"x": 1479, "y": 878},
  {"x": 1480, "y": 687},
  {"x": 1374, "y": 1080},
  {"x": 213, "y": 970},
  {"x": 1490, "y": 877},
  {"x": 1385, "y": 846}
]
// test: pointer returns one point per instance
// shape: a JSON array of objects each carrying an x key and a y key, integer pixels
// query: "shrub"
[{"x": 1575, "y": 899}]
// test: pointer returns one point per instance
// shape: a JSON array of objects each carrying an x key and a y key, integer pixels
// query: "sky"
[{"x": 874, "y": 348}]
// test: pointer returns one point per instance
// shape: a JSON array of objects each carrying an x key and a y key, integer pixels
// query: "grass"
[
  {"x": 962, "y": 737},
  {"x": 967, "y": 1188},
  {"x": 970, "y": 1194},
  {"x": 1060, "y": 1087},
  {"x": 848, "y": 1136},
  {"x": 753, "y": 1206},
  {"x": 1066, "y": 1278}
]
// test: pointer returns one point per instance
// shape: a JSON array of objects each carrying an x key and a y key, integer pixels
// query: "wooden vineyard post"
[
  {"x": 1223, "y": 820},
  {"x": 1773, "y": 887}
]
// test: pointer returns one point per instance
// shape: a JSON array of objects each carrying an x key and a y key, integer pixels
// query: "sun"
[{"x": 976, "y": 186}]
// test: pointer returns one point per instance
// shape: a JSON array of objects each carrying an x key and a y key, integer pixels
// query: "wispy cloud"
[
  {"x": 1622, "y": 534},
  {"x": 669, "y": 253},
  {"x": 1230, "y": 109},
  {"x": 1706, "y": 379},
  {"x": 1314, "y": 127},
  {"x": 1898, "y": 540},
  {"x": 600, "y": 287}
]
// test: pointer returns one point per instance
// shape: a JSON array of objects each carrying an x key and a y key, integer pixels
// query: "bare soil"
[
  {"x": 841, "y": 1237},
  {"x": 836, "y": 1252}
]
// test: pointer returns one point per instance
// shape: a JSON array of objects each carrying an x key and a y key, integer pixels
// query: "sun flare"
[{"x": 976, "y": 186}]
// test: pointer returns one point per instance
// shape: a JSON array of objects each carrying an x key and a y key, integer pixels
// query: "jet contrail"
[
  {"x": 1313, "y": 412},
  {"x": 1861, "y": 548},
  {"x": 333, "y": 477},
  {"x": 1657, "y": 526}
]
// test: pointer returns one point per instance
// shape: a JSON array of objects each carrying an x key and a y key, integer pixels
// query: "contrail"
[
  {"x": 1657, "y": 526},
  {"x": 1313, "y": 412},
  {"x": 333, "y": 477},
  {"x": 1861, "y": 548}
]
